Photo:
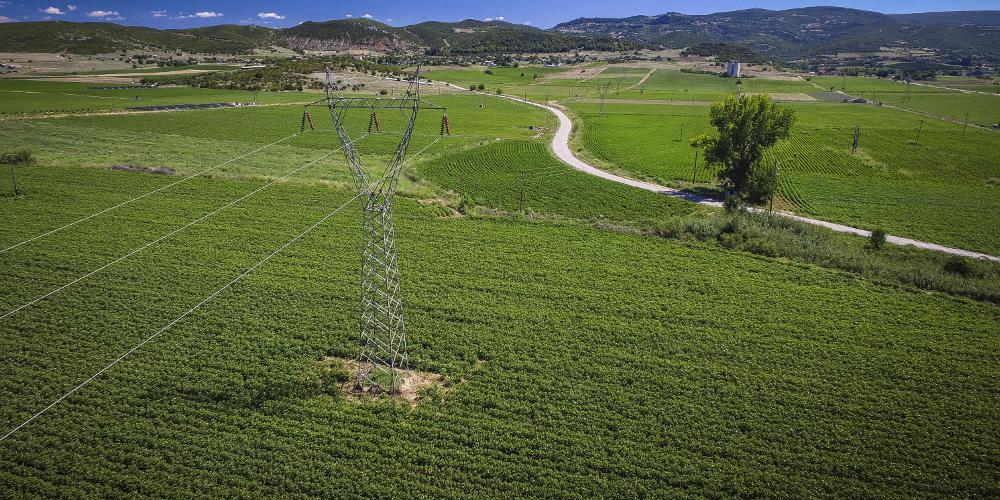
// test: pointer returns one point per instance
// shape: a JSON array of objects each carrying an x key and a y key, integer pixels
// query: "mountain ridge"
[{"x": 790, "y": 34}]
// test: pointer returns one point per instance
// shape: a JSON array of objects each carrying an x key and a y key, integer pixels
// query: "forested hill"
[
  {"x": 810, "y": 31},
  {"x": 786, "y": 34},
  {"x": 464, "y": 37}
]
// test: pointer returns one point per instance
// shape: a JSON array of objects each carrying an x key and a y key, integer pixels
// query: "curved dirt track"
[{"x": 560, "y": 146}]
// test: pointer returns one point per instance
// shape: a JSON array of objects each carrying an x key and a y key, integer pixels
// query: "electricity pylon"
[{"x": 382, "y": 355}]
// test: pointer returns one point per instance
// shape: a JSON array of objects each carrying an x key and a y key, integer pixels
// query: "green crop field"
[
  {"x": 942, "y": 188},
  {"x": 30, "y": 96},
  {"x": 981, "y": 109},
  {"x": 580, "y": 354}
]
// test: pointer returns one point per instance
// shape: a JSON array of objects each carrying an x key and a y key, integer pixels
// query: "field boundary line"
[
  {"x": 171, "y": 233},
  {"x": 595, "y": 74},
  {"x": 562, "y": 150},
  {"x": 127, "y": 111},
  {"x": 157, "y": 190},
  {"x": 642, "y": 81},
  {"x": 211, "y": 296}
]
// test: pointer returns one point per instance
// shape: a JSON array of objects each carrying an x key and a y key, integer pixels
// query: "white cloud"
[
  {"x": 53, "y": 10},
  {"x": 368, "y": 16},
  {"x": 500, "y": 18},
  {"x": 103, "y": 13},
  {"x": 203, "y": 15},
  {"x": 158, "y": 13},
  {"x": 71, "y": 7},
  {"x": 348, "y": 15},
  {"x": 5, "y": 19},
  {"x": 488, "y": 19},
  {"x": 270, "y": 15},
  {"x": 388, "y": 19},
  {"x": 528, "y": 23}
]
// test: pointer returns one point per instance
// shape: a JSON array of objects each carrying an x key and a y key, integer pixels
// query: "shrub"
[
  {"x": 732, "y": 204},
  {"x": 877, "y": 240},
  {"x": 959, "y": 265},
  {"x": 19, "y": 157}
]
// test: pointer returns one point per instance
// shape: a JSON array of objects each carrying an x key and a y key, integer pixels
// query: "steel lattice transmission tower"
[{"x": 382, "y": 356}]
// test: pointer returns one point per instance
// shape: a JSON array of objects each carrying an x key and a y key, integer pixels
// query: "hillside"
[
  {"x": 347, "y": 34},
  {"x": 97, "y": 38},
  {"x": 804, "y": 32},
  {"x": 464, "y": 37},
  {"x": 472, "y": 37}
]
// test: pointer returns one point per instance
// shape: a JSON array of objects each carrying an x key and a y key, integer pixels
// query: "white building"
[{"x": 733, "y": 69}]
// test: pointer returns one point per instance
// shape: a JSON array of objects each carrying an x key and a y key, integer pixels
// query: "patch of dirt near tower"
[{"x": 411, "y": 389}]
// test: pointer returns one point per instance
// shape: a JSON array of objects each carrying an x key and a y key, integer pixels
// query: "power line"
[
  {"x": 157, "y": 190},
  {"x": 165, "y": 236},
  {"x": 203, "y": 302}
]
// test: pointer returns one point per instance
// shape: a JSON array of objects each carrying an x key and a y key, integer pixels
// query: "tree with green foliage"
[{"x": 747, "y": 126}]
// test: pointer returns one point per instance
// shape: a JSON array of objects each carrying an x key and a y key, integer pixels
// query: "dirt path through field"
[
  {"x": 642, "y": 81},
  {"x": 561, "y": 147}
]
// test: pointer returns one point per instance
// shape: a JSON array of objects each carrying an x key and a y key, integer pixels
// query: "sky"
[{"x": 540, "y": 13}]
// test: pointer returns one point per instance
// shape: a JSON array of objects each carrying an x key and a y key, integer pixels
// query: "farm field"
[
  {"x": 942, "y": 189},
  {"x": 618, "y": 82},
  {"x": 580, "y": 355},
  {"x": 33, "y": 96},
  {"x": 983, "y": 110},
  {"x": 724, "y": 392}
]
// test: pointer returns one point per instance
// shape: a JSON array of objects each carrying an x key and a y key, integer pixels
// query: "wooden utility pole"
[
  {"x": 521, "y": 202},
  {"x": 920, "y": 130},
  {"x": 681, "y": 136},
  {"x": 694, "y": 173},
  {"x": 774, "y": 186},
  {"x": 13, "y": 178},
  {"x": 966, "y": 125}
]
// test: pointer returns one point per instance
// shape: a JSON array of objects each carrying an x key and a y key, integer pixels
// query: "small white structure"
[
  {"x": 733, "y": 69},
  {"x": 253, "y": 66}
]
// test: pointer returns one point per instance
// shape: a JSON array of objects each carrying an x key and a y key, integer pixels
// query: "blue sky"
[{"x": 189, "y": 13}]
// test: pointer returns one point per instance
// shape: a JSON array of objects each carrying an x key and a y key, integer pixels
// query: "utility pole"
[
  {"x": 857, "y": 138},
  {"x": 774, "y": 186},
  {"x": 521, "y": 202},
  {"x": 694, "y": 173},
  {"x": 681, "y": 136},
  {"x": 920, "y": 130},
  {"x": 13, "y": 178},
  {"x": 966, "y": 125}
]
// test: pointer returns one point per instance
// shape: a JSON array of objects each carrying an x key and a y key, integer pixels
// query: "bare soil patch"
[
  {"x": 146, "y": 170},
  {"x": 414, "y": 387},
  {"x": 575, "y": 73}
]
